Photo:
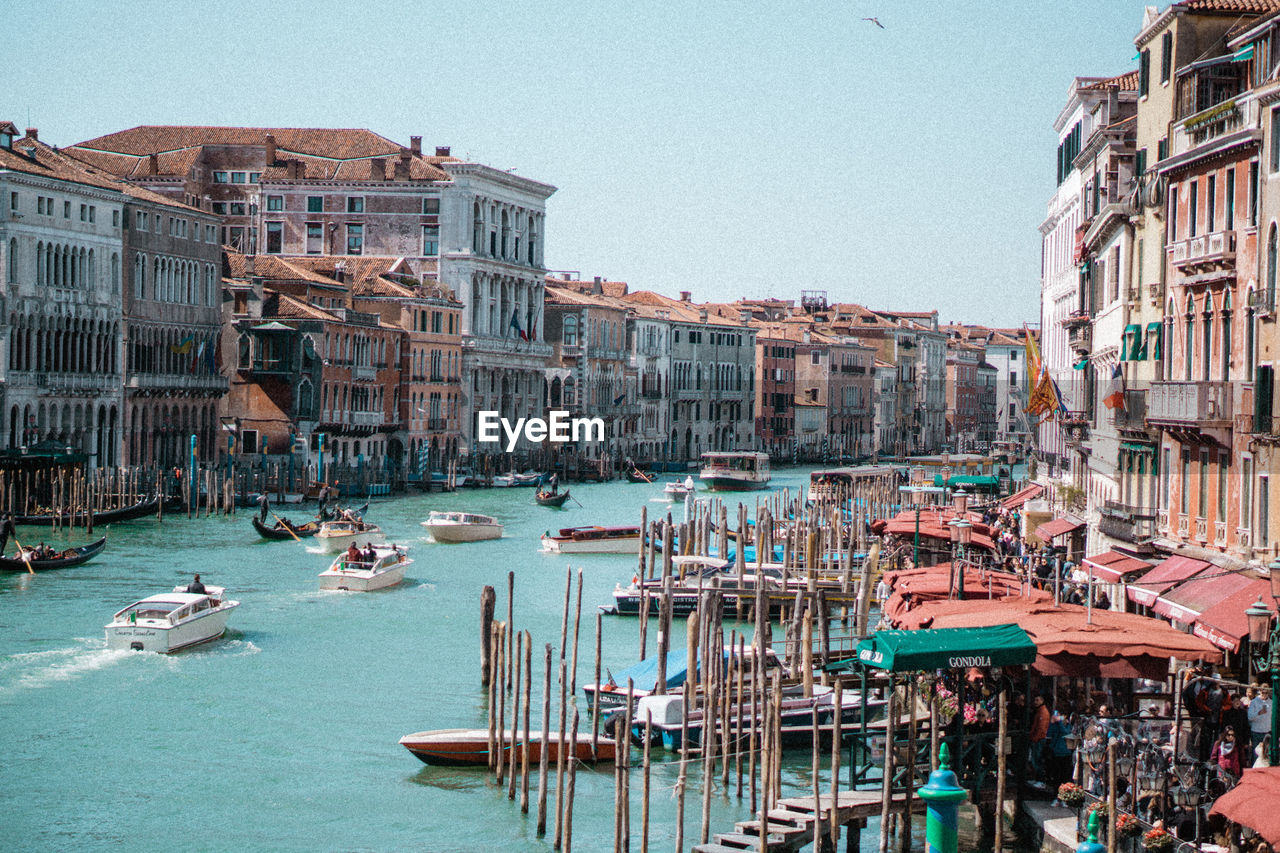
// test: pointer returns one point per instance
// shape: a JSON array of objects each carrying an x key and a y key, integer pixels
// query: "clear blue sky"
[{"x": 731, "y": 149}]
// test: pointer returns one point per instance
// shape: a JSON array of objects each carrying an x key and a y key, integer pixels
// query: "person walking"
[
  {"x": 1039, "y": 732},
  {"x": 1259, "y": 714}
]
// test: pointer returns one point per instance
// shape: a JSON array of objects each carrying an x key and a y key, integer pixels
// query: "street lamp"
[
  {"x": 961, "y": 533},
  {"x": 1263, "y": 630}
]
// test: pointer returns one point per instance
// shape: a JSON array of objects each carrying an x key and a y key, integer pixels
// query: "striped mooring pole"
[{"x": 943, "y": 795}]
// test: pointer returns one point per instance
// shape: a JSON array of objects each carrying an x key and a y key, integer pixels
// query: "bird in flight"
[{"x": 875, "y": 21}]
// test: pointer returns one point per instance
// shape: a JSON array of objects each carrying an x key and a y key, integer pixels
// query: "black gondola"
[
  {"x": 106, "y": 516},
  {"x": 545, "y": 499},
  {"x": 65, "y": 559},
  {"x": 280, "y": 530},
  {"x": 635, "y": 475}
]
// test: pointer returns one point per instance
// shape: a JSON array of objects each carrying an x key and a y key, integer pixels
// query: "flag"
[
  {"x": 1081, "y": 364},
  {"x": 210, "y": 358},
  {"x": 618, "y": 400},
  {"x": 1115, "y": 390},
  {"x": 533, "y": 330},
  {"x": 196, "y": 356},
  {"x": 515, "y": 323},
  {"x": 184, "y": 347},
  {"x": 1033, "y": 355}
]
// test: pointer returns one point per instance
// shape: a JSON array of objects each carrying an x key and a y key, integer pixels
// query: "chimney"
[
  {"x": 378, "y": 168},
  {"x": 596, "y": 287},
  {"x": 744, "y": 315},
  {"x": 702, "y": 315},
  {"x": 33, "y": 134},
  {"x": 807, "y": 336},
  {"x": 442, "y": 150},
  {"x": 403, "y": 167},
  {"x": 153, "y": 165},
  {"x": 295, "y": 169},
  {"x": 415, "y": 145},
  {"x": 685, "y": 295},
  {"x": 271, "y": 149},
  {"x": 249, "y": 265}
]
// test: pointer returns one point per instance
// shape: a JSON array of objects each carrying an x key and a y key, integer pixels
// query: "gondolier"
[
  {"x": 264, "y": 506},
  {"x": 6, "y": 530}
]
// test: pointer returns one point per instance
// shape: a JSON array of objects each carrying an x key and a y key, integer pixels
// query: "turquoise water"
[{"x": 283, "y": 735}]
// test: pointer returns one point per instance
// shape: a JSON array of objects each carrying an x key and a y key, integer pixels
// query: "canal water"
[{"x": 283, "y": 735}]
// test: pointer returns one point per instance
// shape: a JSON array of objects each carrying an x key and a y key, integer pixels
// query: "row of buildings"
[
  {"x": 1158, "y": 289},
  {"x": 306, "y": 291}
]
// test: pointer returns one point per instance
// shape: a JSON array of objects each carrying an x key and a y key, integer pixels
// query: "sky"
[{"x": 726, "y": 148}]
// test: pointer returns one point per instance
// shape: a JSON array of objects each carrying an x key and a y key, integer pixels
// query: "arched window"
[
  {"x": 1226, "y": 336},
  {"x": 1206, "y": 356},
  {"x": 1249, "y": 332},
  {"x": 13, "y": 259},
  {"x": 40, "y": 261},
  {"x": 115, "y": 273},
  {"x": 1271, "y": 268},
  {"x": 246, "y": 352},
  {"x": 570, "y": 333},
  {"x": 1190, "y": 354}
]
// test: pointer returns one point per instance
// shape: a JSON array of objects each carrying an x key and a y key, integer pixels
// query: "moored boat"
[
  {"x": 364, "y": 575},
  {"x": 643, "y": 677},
  {"x": 470, "y": 747},
  {"x": 462, "y": 527},
  {"x": 61, "y": 560},
  {"x": 171, "y": 621},
  {"x": 337, "y": 534},
  {"x": 548, "y": 499},
  {"x": 593, "y": 540},
  {"x": 146, "y": 506},
  {"x": 735, "y": 472},
  {"x": 285, "y": 529}
]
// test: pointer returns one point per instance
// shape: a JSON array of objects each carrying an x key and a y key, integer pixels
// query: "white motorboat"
[
  {"x": 171, "y": 621},
  {"x": 462, "y": 527},
  {"x": 337, "y": 534},
  {"x": 593, "y": 540},
  {"x": 735, "y": 472},
  {"x": 677, "y": 490},
  {"x": 384, "y": 570}
]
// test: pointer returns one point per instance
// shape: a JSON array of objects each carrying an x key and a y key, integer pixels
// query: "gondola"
[
  {"x": 65, "y": 559},
  {"x": 635, "y": 475},
  {"x": 107, "y": 516},
  {"x": 545, "y": 499},
  {"x": 280, "y": 530}
]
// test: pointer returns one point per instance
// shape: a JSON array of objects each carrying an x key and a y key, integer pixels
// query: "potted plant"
[
  {"x": 1071, "y": 795},
  {"x": 1157, "y": 841},
  {"x": 1127, "y": 826}
]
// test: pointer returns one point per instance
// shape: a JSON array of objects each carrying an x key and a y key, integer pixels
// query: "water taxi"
[
  {"x": 462, "y": 527},
  {"x": 677, "y": 490},
  {"x": 593, "y": 540},
  {"x": 337, "y": 534},
  {"x": 364, "y": 575},
  {"x": 735, "y": 472},
  {"x": 171, "y": 621}
]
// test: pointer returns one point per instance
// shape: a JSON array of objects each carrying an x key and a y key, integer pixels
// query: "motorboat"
[
  {"x": 470, "y": 747},
  {"x": 593, "y": 540},
  {"x": 337, "y": 534},
  {"x": 643, "y": 677},
  {"x": 676, "y": 490},
  {"x": 512, "y": 480},
  {"x": 735, "y": 472},
  {"x": 364, "y": 575},
  {"x": 171, "y": 621},
  {"x": 462, "y": 527}
]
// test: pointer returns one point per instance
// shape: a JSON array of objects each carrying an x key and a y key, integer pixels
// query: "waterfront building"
[
  {"x": 775, "y": 393},
  {"x": 886, "y": 407},
  {"x": 963, "y": 395},
  {"x": 61, "y": 236}
]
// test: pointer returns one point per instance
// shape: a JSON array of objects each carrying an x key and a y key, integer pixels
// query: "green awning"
[
  {"x": 1152, "y": 345},
  {"x": 968, "y": 480},
  {"x": 942, "y": 648},
  {"x": 1131, "y": 349},
  {"x": 1243, "y": 54}
]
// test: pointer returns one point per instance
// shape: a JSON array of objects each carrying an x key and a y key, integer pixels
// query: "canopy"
[
  {"x": 986, "y": 481},
  {"x": 1112, "y": 566},
  {"x": 1020, "y": 497},
  {"x": 1223, "y": 623},
  {"x": 1188, "y": 600},
  {"x": 644, "y": 675},
  {"x": 1172, "y": 571},
  {"x": 1252, "y": 803},
  {"x": 933, "y": 525},
  {"x": 1053, "y": 529},
  {"x": 946, "y": 648},
  {"x": 913, "y": 586}
]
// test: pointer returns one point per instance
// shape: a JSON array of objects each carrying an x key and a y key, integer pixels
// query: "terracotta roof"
[
  {"x": 615, "y": 289},
  {"x": 1126, "y": 82},
  {"x": 276, "y": 305},
  {"x": 1244, "y": 7}
]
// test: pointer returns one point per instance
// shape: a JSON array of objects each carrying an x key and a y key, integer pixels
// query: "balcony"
[
  {"x": 93, "y": 384},
  {"x": 1198, "y": 255},
  {"x": 364, "y": 373},
  {"x": 1262, "y": 302},
  {"x": 175, "y": 382},
  {"x": 1197, "y": 409},
  {"x": 1202, "y": 530},
  {"x": 1136, "y": 525},
  {"x": 1133, "y": 417},
  {"x": 1075, "y": 427}
]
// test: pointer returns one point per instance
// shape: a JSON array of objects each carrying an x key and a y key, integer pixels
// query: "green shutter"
[
  {"x": 1151, "y": 348},
  {"x": 1132, "y": 343}
]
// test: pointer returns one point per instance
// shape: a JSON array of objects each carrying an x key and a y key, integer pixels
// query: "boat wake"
[{"x": 33, "y": 670}]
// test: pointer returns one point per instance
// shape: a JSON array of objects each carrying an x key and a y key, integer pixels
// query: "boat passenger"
[
  {"x": 370, "y": 555},
  {"x": 196, "y": 588},
  {"x": 353, "y": 553},
  {"x": 688, "y": 482}
]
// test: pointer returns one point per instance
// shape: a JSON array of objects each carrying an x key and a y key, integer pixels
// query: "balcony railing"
[
  {"x": 364, "y": 372},
  {"x": 1220, "y": 533},
  {"x": 1202, "y": 530},
  {"x": 1134, "y": 414},
  {"x": 174, "y": 382},
  {"x": 1204, "y": 251},
  {"x": 1190, "y": 404},
  {"x": 1136, "y": 525}
]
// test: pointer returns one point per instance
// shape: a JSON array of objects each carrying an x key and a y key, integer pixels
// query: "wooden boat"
[
  {"x": 171, "y": 621},
  {"x": 470, "y": 747},
  {"x": 635, "y": 475},
  {"x": 548, "y": 499},
  {"x": 735, "y": 472},
  {"x": 462, "y": 527},
  {"x": 280, "y": 530},
  {"x": 593, "y": 540},
  {"x": 386, "y": 569},
  {"x": 65, "y": 559},
  {"x": 144, "y": 507}
]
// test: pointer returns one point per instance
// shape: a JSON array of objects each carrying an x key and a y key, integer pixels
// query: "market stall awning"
[
  {"x": 1053, "y": 529},
  {"x": 1223, "y": 623},
  {"x": 1252, "y": 803},
  {"x": 1112, "y": 566},
  {"x": 910, "y": 587},
  {"x": 1172, "y": 571},
  {"x": 1021, "y": 496},
  {"x": 933, "y": 525},
  {"x": 984, "y": 481},
  {"x": 1188, "y": 600},
  {"x": 946, "y": 648}
]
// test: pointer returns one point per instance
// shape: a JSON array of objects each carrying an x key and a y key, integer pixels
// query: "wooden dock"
[{"x": 797, "y": 823}]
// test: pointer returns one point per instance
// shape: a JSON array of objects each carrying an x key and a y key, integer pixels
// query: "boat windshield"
[{"x": 151, "y": 609}]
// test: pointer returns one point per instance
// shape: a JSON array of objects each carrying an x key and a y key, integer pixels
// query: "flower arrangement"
[
  {"x": 1127, "y": 826},
  {"x": 948, "y": 705},
  {"x": 1071, "y": 794},
  {"x": 970, "y": 714},
  {"x": 1157, "y": 840}
]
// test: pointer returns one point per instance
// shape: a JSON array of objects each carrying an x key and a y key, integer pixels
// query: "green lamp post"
[
  {"x": 1264, "y": 632},
  {"x": 1090, "y": 844},
  {"x": 943, "y": 795}
]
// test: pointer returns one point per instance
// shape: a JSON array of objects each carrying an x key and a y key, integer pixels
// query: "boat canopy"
[
  {"x": 942, "y": 648},
  {"x": 644, "y": 675}
]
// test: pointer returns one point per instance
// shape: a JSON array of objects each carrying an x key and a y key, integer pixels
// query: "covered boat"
[
  {"x": 735, "y": 472},
  {"x": 462, "y": 527},
  {"x": 593, "y": 540},
  {"x": 386, "y": 568},
  {"x": 470, "y": 747},
  {"x": 171, "y": 621},
  {"x": 61, "y": 560},
  {"x": 643, "y": 677},
  {"x": 285, "y": 529},
  {"x": 337, "y": 534}
]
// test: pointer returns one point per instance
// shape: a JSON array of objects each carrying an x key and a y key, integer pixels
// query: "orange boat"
[{"x": 470, "y": 747}]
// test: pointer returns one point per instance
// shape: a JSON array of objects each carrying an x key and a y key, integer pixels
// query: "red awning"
[
  {"x": 933, "y": 525},
  {"x": 1112, "y": 566},
  {"x": 1053, "y": 529},
  {"x": 1252, "y": 803},
  {"x": 1020, "y": 497},
  {"x": 1223, "y": 623},
  {"x": 1172, "y": 571},
  {"x": 1188, "y": 600}
]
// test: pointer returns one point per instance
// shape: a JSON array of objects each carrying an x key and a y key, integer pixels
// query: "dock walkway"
[{"x": 797, "y": 823}]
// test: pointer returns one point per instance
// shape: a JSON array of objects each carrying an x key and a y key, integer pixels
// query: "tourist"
[
  {"x": 1057, "y": 753},
  {"x": 1039, "y": 731},
  {"x": 1225, "y": 753},
  {"x": 688, "y": 482},
  {"x": 353, "y": 553},
  {"x": 196, "y": 587},
  {"x": 1259, "y": 714},
  {"x": 1236, "y": 715}
]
